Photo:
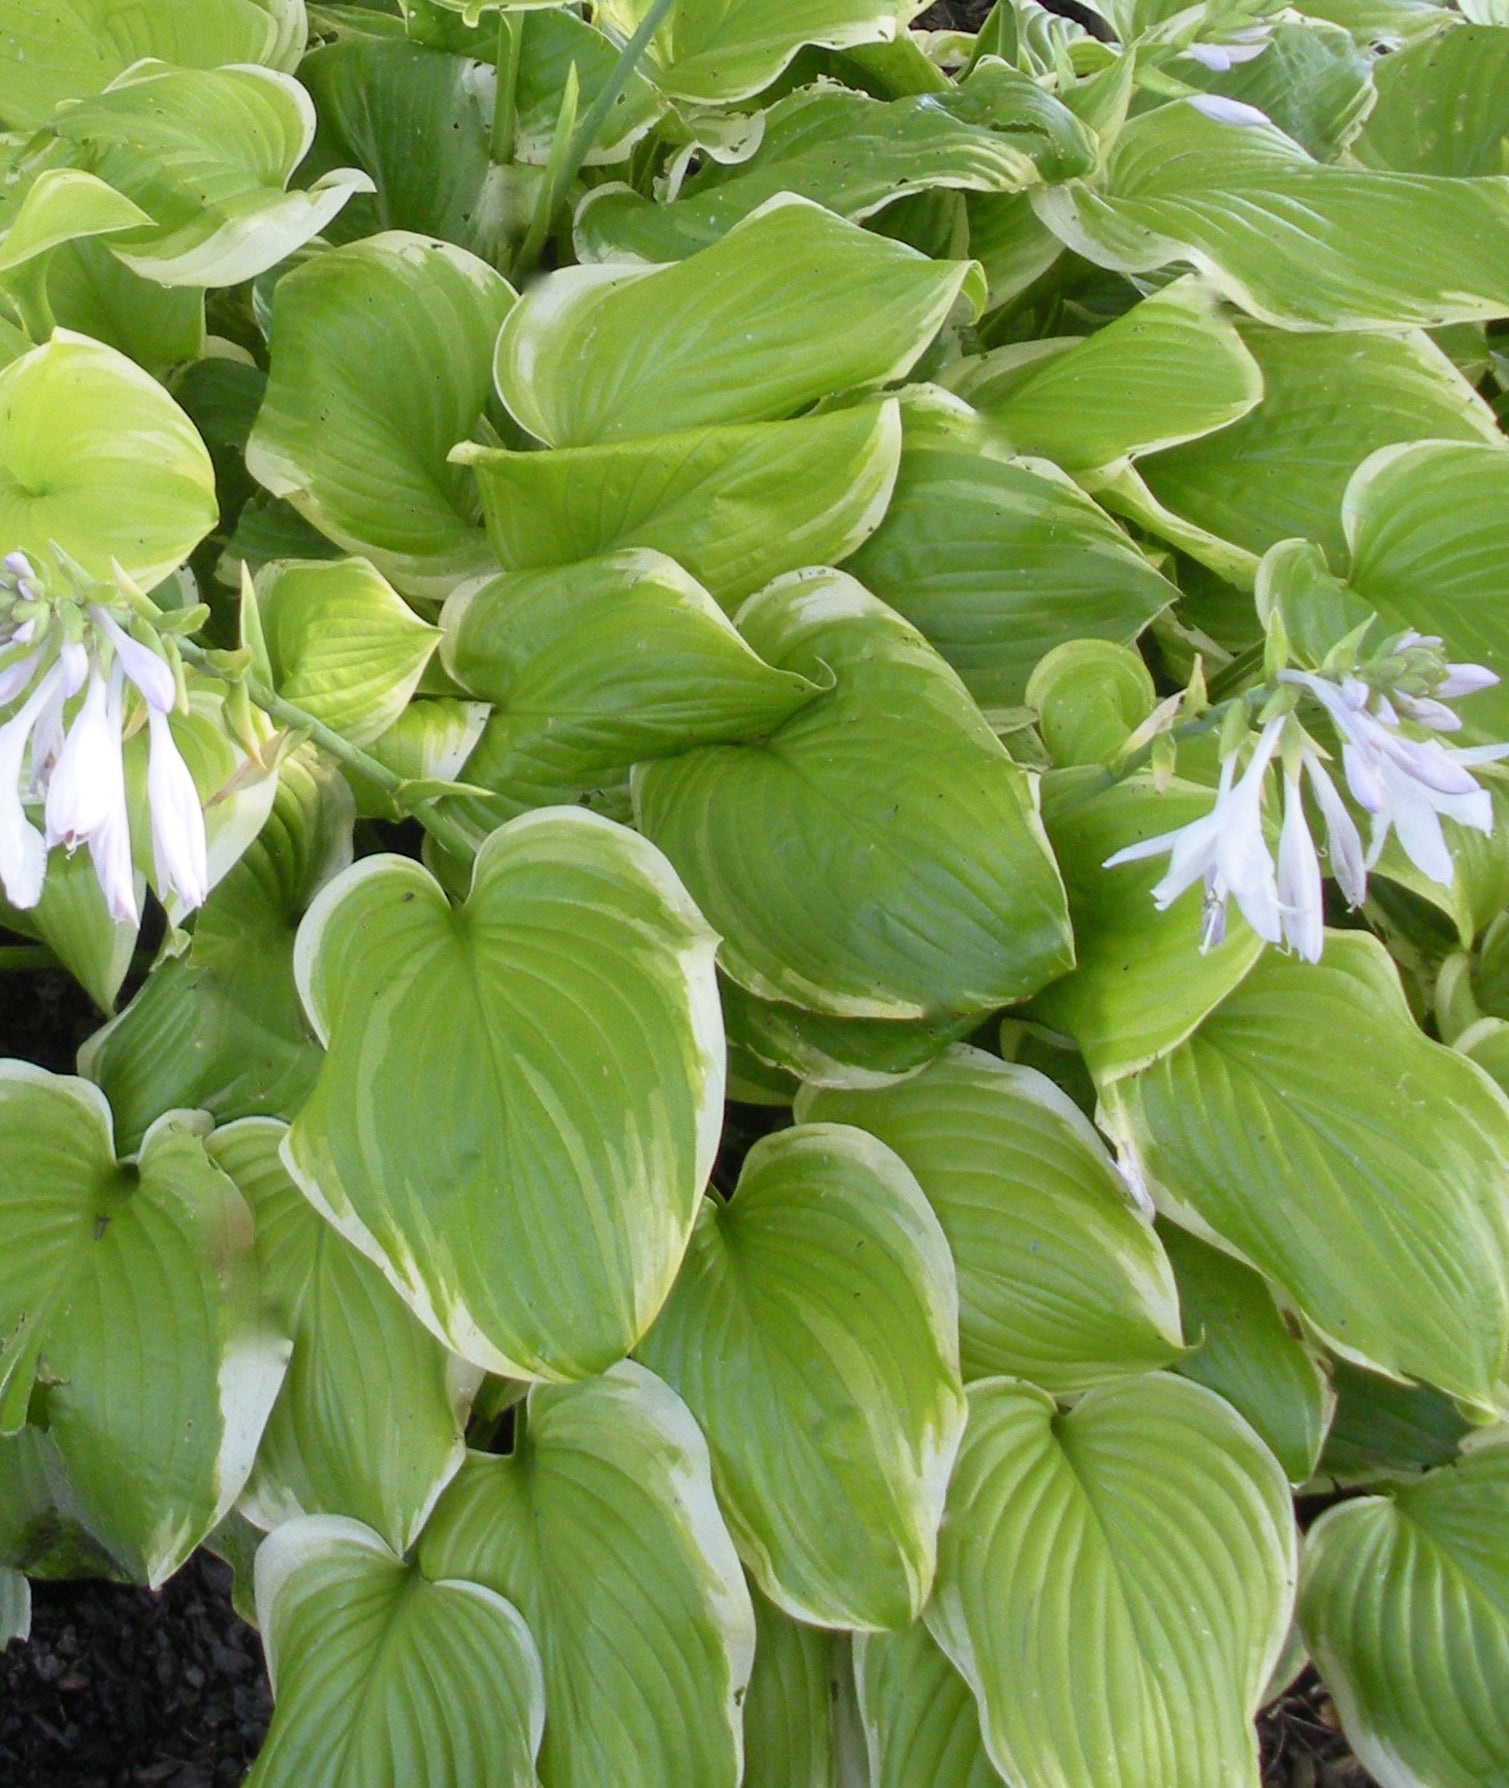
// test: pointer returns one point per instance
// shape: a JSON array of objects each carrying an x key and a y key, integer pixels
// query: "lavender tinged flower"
[
  {"x": 178, "y": 841},
  {"x": 110, "y": 843},
  {"x": 1225, "y": 850},
  {"x": 1343, "y": 840},
  {"x": 23, "y": 851},
  {"x": 1299, "y": 881},
  {"x": 79, "y": 788},
  {"x": 151, "y": 674}
]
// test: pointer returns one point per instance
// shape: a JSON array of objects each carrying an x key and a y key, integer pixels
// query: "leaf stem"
[
  {"x": 559, "y": 176},
  {"x": 506, "y": 104}
]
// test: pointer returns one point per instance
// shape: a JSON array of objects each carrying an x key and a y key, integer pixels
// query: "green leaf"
[
  {"x": 1428, "y": 528},
  {"x": 157, "y": 1437},
  {"x": 343, "y": 645},
  {"x": 521, "y": 1098},
  {"x": 1289, "y": 239},
  {"x": 1242, "y": 1348},
  {"x": 219, "y": 1028},
  {"x": 920, "y": 1719},
  {"x": 95, "y": 455},
  {"x": 1443, "y": 105},
  {"x": 1114, "y": 1584},
  {"x": 1404, "y": 1603},
  {"x": 879, "y": 855},
  {"x": 207, "y": 154},
  {"x": 602, "y": 1526},
  {"x": 716, "y": 50},
  {"x": 1089, "y": 697},
  {"x": 380, "y": 364},
  {"x": 1312, "y": 80},
  {"x": 1060, "y": 1280},
  {"x": 15, "y": 1608},
  {"x": 793, "y": 303},
  {"x": 432, "y": 740},
  {"x": 72, "y": 920},
  {"x": 601, "y": 665},
  {"x": 813, "y": 1335},
  {"x": 1142, "y": 983},
  {"x": 1396, "y": 1253},
  {"x": 997, "y": 560},
  {"x": 554, "y": 40},
  {"x": 370, "y": 1418},
  {"x": 386, "y": 1677},
  {"x": 1329, "y": 400},
  {"x": 735, "y": 506},
  {"x": 1383, "y": 1429},
  {"x": 836, "y": 1052},
  {"x": 91, "y": 293},
  {"x": 851, "y": 154},
  {"x": 1170, "y": 369},
  {"x": 61, "y": 204},
  {"x": 53, "y": 52},
  {"x": 788, "y": 1721}
]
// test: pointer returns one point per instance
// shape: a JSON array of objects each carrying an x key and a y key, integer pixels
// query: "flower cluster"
[
  {"x": 1385, "y": 718},
  {"x": 83, "y": 662}
]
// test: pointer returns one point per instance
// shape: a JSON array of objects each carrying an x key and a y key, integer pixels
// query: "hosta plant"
[{"x": 773, "y": 737}]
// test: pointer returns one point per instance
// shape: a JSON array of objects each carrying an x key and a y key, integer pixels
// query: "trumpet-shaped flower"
[
  {"x": 178, "y": 842},
  {"x": 23, "y": 851},
  {"x": 1224, "y": 850}
]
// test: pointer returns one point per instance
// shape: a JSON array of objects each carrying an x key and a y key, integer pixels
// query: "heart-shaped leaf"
[
  {"x": 1381, "y": 1219},
  {"x": 369, "y": 1420},
  {"x": 1404, "y": 1604},
  {"x": 207, "y": 154},
  {"x": 380, "y": 364},
  {"x": 920, "y": 1719},
  {"x": 157, "y": 1437},
  {"x": 602, "y": 1526},
  {"x": 385, "y": 1676},
  {"x": 1442, "y": 105},
  {"x": 879, "y": 855},
  {"x": 1060, "y": 1280},
  {"x": 813, "y": 1332},
  {"x": 735, "y": 506},
  {"x": 95, "y": 455},
  {"x": 793, "y": 303},
  {"x": 521, "y": 1096},
  {"x": 1115, "y": 1583}
]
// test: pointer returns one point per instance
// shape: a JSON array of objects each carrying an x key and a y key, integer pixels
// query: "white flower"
[
  {"x": 1465, "y": 679},
  {"x": 1228, "y": 111},
  {"x": 1219, "y": 57},
  {"x": 86, "y": 793},
  {"x": 151, "y": 675},
  {"x": 178, "y": 842},
  {"x": 1407, "y": 785},
  {"x": 1343, "y": 840},
  {"x": 110, "y": 843},
  {"x": 1300, "y": 890},
  {"x": 1225, "y": 849},
  {"x": 23, "y": 851}
]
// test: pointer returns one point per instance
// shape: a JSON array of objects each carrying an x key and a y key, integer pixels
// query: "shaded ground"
[
  {"x": 121, "y": 1688},
  {"x": 1302, "y": 1743}
]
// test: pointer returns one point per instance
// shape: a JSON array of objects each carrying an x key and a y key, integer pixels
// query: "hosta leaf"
[
  {"x": 718, "y": 50},
  {"x": 1397, "y": 1250},
  {"x": 793, "y": 303},
  {"x": 342, "y": 644},
  {"x": 1089, "y": 697},
  {"x": 849, "y": 153},
  {"x": 93, "y": 294},
  {"x": 1428, "y": 528},
  {"x": 1329, "y": 400},
  {"x": 1142, "y": 983},
  {"x": 879, "y": 855},
  {"x": 158, "y": 1436},
  {"x": 44, "y": 1524},
  {"x": 72, "y": 920},
  {"x": 997, "y": 560},
  {"x": 597, "y": 666},
  {"x": 1312, "y": 80},
  {"x": 219, "y": 1028},
  {"x": 813, "y": 1334},
  {"x": 1114, "y": 1583},
  {"x": 1383, "y": 1429},
  {"x": 603, "y": 1528},
  {"x": 95, "y": 455},
  {"x": 380, "y": 364},
  {"x": 60, "y": 205},
  {"x": 1443, "y": 105},
  {"x": 520, "y": 1101},
  {"x": 836, "y": 1052},
  {"x": 52, "y": 50},
  {"x": 1060, "y": 1281},
  {"x": 552, "y": 39},
  {"x": 1291, "y": 240},
  {"x": 1404, "y": 1603},
  {"x": 788, "y": 1723},
  {"x": 735, "y": 506},
  {"x": 1242, "y": 1348},
  {"x": 1170, "y": 369},
  {"x": 369, "y": 1420},
  {"x": 15, "y": 1607},
  {"x": 921, "y": 1723},
  {"x": 432, "y": 740},
  {"x": 386, "y": 1677},
  {"x": 207, "y": 154}
]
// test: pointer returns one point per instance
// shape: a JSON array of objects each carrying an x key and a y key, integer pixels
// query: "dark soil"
[
  {"x": 1302, "y": 1742},
  {"x": 122, "y": 1688}
]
